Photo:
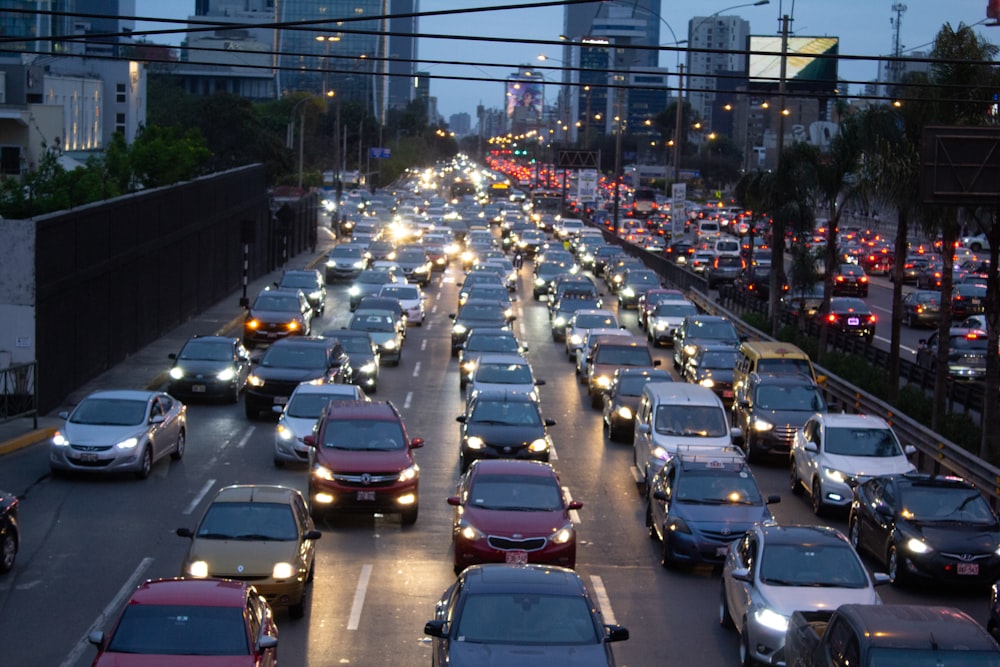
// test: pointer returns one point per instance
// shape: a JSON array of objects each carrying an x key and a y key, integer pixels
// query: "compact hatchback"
[{"x": 361, "y": 460}]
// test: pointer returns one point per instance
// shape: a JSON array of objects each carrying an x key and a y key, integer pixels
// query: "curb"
[{"x": 30, "y": 438}]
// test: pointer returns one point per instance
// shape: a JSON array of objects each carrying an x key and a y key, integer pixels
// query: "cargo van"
[
  {"x": 772, "y": 358},
  {"x": 708, "y": 230},
  {"x": 675, "y": 414}
]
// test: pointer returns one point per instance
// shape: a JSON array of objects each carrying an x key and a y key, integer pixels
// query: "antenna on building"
[{"x": 897, "y": 49}]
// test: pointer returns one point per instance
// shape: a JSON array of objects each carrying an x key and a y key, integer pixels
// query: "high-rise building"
[
  {"x": 402, "y": 52},
  {"x": 705, "y": 68},
  {"x": 20, "y": 18},
  {"x": 460, "y": 124}
]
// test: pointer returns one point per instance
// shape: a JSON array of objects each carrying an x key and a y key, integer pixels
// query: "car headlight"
[
  {"x": 917, "y": 546},
  {"x": 390, "y": 344},
  {"x": 283, "y": 571},
  {"x": 661, "y": 453},
  {"x": 176, "y": 373},
  {"x": 225, "y": 375},
  {"x": 331, "y": 263},
  {"x": 559, "y": 322},
  {"x": 563, "y": 535},
  {"x": 469, "y": 366},
  {"x": 539, "y": 282},
  {"x": 359, "y": 265},
  {"x": 255, "y": 381},
  {"x": 408, "y": 474},
  {"x": 322, "y": 472},
  {"x": 576, "y": 339},
  {"x": 689, "y": 350},
  {"x": 285, "y": 433},
  {"x": 509, "y": 313},
  {"x": 252, "y": 324},
  {"x": 762, "y": 425},
  {"x": 707, "y": 382},
  {"x": 603, "y": 381},
  {"x": 128, "y": 443},
  {"x": 354, "y": 290},
  {"x": 459, "y": 329},
  {"x": 475, "y": 442},
  {"x": 771, "y": 619},
  {"x": 628, "y": 291},
  {"x": 662, "y": 326},
  {"x": 625, "y": 412},
  {"x": 678, "y": 525},
  {"x": 423, "y": 268},
  {"x": 835, "y": 475},
  {"x": 538, "y": 445},
  {"x": 470, "y": 532},
  {"x": 293, "y": 325},
  {"x": 59, "y": 440},
  {"x": 198, "y": 569},
  {"x": 368, "y": 368}
]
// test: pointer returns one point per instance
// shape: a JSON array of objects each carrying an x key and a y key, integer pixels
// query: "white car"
[
  {"x": 583, "y": 321},
  {"x": 297, "y": 418},
  {"x": 975, "y": 243},
  {"x": 500, "y": 371},
  {"x": 833, "y": 453},
  {"x": 411, "y": 299},
  {"x": 665, "y": 318}
]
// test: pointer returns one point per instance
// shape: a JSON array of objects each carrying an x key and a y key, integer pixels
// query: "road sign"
[
  {"x": 379, "y": 153},
  {"x": 574, "y": 159},
  {"x": 586, "y": 183},
  {"x": 678, "y": 214}
]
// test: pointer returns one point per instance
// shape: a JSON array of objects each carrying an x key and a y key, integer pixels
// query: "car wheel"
[
  {"x": 596, "y": 400},
  {"x": 178, "y": 452},
  {"x": 854, "y": 533},
  {"x": 725, "y": 620},
  {"x": 234, "y": 394},
  {"x": 753, "y": 455},
  {"x": 677, "y": 363},
  {"x": 463, "y": 462},
  {"x": 278, "y": 463},
  {"x": 650, "y": 528},
  {"x": 894, "y": 567},
  {"x": 817, "y": 498},
  {"x": 908, "y": 319},
  {"x": 666, "y": 558},
  {"x": 145, "y": 463},
  {"x": 746, "y": 658},
  {"x": 793, "y": 480},
  {"x": 298, "y": 610},
  {"x": 615, "y": 434},
  {"x": 8, "y": 551},
  {"x": 410, "y": 515}
]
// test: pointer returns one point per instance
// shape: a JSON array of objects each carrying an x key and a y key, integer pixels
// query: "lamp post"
[{"x": 326, "y": 39}]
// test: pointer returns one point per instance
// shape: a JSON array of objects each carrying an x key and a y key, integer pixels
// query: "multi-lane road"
[{"x": 89, "y": 540}]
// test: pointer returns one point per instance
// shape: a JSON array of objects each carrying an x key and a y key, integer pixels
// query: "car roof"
[
  {"x": 129, "y": 394},
  {"x": 781, "y": 378},
  {"x": 682, "y": 392},
  {"x": 501, "y": 358},
  {"x": 198, "y": 592},
  {"x": 353, "y": 409},
  {"x": 529, "y": 578},
  {"x": 909, "y": 626},
  {"x": 801, "y": 534},
  {"x": 348, "y": 391},
  {"x": 842, "y": 419},
  {"x": 512, "y": 467},
  {"x": 261, "y": 493},
  {"x": 928, "y": 479},
  {"x": 299, "y": 341},
  {"x": 216, "y": 339}
]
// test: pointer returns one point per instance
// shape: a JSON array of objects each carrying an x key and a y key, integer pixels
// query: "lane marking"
[
  {"x": 130, "y": 584},
  {"x": 416, "y": 369},
  {"x": 553, "y": 456},
  {"x": 521, "y": 328},
  {"x": 603, "y": 601},
  {"x": 198, "y": 498},
  {"x": 423, "y": 345},
  {"x": 359, "y": 597},
  {"x": 434, "y": 308},
  {"x": 246, "y": 436},
  {"x": 408, "y": 400},
  {"x": 574, "y": 515}
]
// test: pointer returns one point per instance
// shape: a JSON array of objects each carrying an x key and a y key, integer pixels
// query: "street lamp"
[{"x": 326, "y": 39}]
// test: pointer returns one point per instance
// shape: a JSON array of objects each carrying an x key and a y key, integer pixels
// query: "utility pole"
[
  {"x": 678, "y": 141},
  {"x": 897, "y": 49},
  {"x": 778, "y": 226}
]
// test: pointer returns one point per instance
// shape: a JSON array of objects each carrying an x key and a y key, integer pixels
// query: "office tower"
[{"x": 706, "y": 70}]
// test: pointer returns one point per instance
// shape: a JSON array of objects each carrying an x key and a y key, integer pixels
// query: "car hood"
[
  {"x": 717, "y": 518},
  {"x": 202, "y": 366},
  {"x": 380, "y": 337},
  {"x": 734, "y": 342},
  {"x": 130, "y": 660},
  {"x": 274, "y": 315},
  {"x": 524, "y": 523},
  {"x": 277, "y": 373},
  {"x": 670, "y": 321},
  {"x": 867, "y": 466},
  {"x": 351, "y": 461},
  {"x": 632, "y": 402},
  {"x": 526, "y": 387},
  {"x": 502, "y": 434},
  {"x": 96, "y": 434},
  {"x": 786, "y": 599},
  {"x": 791, "y": 417},
  {"x": 959, "y": 538},
  {"x": 462, "y": 654},
  {"x": 243, "y": 558},
  {"x": 491, "y": 323}
]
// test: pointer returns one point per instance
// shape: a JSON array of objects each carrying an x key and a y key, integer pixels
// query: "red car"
[
  {"x": 512, "y": 511},
  {"x": 195, "y": 622}
]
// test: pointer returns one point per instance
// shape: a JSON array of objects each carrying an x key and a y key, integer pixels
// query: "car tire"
[
  {"x": 297, "y": 610},
  {"x": 666, "y": 559},
  {"x": 725, "y": 620},
  {"x": 816, "y": 498},
  {"x": 753, "y": 454},
  {"x": 596, "y": 400},
  {"x": 615, "y": 434},
  {"x": 795, "y": 484},
  {"x": 892, "y": 565},
  {"x": 854, "y": 532},
  {"x": 746, "y": 659},
  {"x": 145, "y": 463},
  {"x": 409, "y": 515},
  {"x": 650, "y": 528},
  {"x": 181, "y": 445},
  {"x": 278, "y": 463},
  {"x": 8, "y": 551},
  {"x": 234, "y": 394}
]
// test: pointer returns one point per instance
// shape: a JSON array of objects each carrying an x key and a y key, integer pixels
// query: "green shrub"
[
  {"x": 858, "y": 371},
  {"x": 962, "y": 430},
  {"x": 758, "y": 321}
]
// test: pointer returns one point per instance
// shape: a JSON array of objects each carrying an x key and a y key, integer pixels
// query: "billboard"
[
  {"x": 811, "y": 63},
  {"x": 524, "y": 101}
]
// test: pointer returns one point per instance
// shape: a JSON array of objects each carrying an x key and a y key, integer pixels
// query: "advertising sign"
[
  {"x": 811, "y": 63},
  {"x": 678, "y": 214},
  {"x": 586, "y": 185},
  {"x": 524, "y": 100}
]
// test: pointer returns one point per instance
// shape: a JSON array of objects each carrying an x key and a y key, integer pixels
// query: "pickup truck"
[{"x": 873, "y": 635}]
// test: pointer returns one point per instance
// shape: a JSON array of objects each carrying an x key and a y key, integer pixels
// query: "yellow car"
[{"x": 257, "y": 533}]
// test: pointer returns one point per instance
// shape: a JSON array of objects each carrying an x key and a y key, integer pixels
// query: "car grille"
[
  {"x": 510, "y": 544},
  {"x": 966, "y": 557},
  {"x": 90, "y": 448},
  {"x": 99, "y": 463},
  {"x": 277, "y": 387},
  {"x": 785, "y": 433},
  {"x": 230, "y": 575},
  {"x": 719, "y": 536},
  {"x": 367, "y": 480}
]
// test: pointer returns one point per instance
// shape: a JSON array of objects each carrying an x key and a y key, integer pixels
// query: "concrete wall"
[{"x": 17, "y": 292}]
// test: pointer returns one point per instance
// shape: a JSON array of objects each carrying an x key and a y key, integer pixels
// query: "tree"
[{"x": 164, "y": 155}]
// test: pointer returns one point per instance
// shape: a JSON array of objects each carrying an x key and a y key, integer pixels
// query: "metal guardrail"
[{"x": 19, "y": 392}]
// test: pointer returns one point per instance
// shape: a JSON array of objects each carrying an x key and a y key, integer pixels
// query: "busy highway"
[{"x": 89, "y": 540}]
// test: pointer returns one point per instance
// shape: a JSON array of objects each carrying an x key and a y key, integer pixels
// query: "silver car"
[
  {"x": 298, "y": 417},
  {"x": 774, "y": 570},
  {"x": 119, "y": 431}
]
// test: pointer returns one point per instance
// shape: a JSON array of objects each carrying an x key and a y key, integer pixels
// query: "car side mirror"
[
  {"x": 172, "y": 355},
  {"x": 736, "y": 435},
  {"x": 880, "y": 578},
  {"x": 745, "y": 404},
  {"x": 539, "y": 383},
  {"x": 451, "y": 316},
  {"x": 461, "y": 419},
  {"x": 277, "y": 409},
  {"x": 184, "y": 532},
  {"x": 741, "y": 574},
  {"x": 454, "y": 501},
  {"x": 416, "y": 443},
  {"x": 810, "y": 446},
  {"x": 550, "y": 422},
  {"x": 157, "y": 419},
  {"x": 309, "y": 440},
  {"x": 657, "y": 362},
  {"x": 96, "y": 638},
  {"x": 266, "y": 642},
  {"x": 615, "y": 633},
  {"x": 574, "y": 505},
  {"x": 642, "y": 428},
  {"x": 909, "y": 450},
  {"x": 436, "y": 628},
  {"x": 312, "y": 535},
  {"x": 660, "y": 494},
  {"x": 773, "y": 499},
  {"x": 64, "y": 415}
]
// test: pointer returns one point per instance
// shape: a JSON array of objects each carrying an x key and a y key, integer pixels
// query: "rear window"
[{"x": 784, "y": 366}]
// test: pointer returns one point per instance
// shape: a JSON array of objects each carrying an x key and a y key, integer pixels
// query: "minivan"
[
  {"x": 708, "y": 229},
  {"x": 672, "y": 414},
  {"x": 773, "y": 358}
]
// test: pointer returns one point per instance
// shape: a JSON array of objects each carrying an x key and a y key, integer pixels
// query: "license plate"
[
  {"x": 197, "y": 389},
  {"x": 721, "y": 551},
  {"x": 519, "y": 557},
  {"x": 272, "y": 335},
  {"x": 366, "y": 495},
  {"x": 974, "y": 302},
  {"x": 727, "y": 393},
  {"x": 971, "y": 569},
  {"x": 280, "y": 400},
  {"x": 89, "y": 458},
  {"x": 853, "y": 321}
]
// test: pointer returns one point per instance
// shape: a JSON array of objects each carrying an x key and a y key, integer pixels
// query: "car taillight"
[
  {"x": 863, "y": 279},
  {"x": 871, "y": 318},
  {"x": 840, "y": 279},
  {"x": 832, "y": 317}
]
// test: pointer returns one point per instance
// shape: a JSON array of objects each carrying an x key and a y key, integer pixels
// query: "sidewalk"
[{"x": 147, "y": 368}]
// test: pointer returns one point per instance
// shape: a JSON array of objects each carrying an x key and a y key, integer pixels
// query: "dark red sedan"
[
  {"x": 512, "y": 511},
  {"x": 197, "y": 622}
]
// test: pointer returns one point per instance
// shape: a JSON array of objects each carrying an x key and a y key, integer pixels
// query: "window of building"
[
  {"x": 120, "y": 123},
  {"x": 120, "y": 93}
]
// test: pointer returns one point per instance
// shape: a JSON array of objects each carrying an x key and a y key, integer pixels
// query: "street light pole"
[{"x": 678, "y": 141}]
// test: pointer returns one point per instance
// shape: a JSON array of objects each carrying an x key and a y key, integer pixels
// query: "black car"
[
  {"x": 927, "y": 528},
  {"x": 699, "y": 330},
  {"x": 210, "y": 367},
  {"x": 368, "y": 283},
  {"x": 476, "y": 314},
  {"x": 755, "y": 278},
  {"x": 501, "y": 423},
  {"x": 621, "y": 401},
  {"x": 364, "y": 355},
  {"x": 277, "y": 314},
  {"x": 290, "y": 362},
  {"x": 848, "y": 315},
  {"x": 545, "y": 272},
  {"x": 311, "y": 282},
  {"x": 712, "y": 366},
  {"x": 850, "y": 280},
  {"x": 967, "y": 299},
  {"x": 921, "y": 308},
  {"x": 966, "y": 353},
  {"x": 10, "y": 536},
  {"x": 769, "y": 409},
  {"x": 636, "y": 282},
  {"x": 498, "y": 613}
]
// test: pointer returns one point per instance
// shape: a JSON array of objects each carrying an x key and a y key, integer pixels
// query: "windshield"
[
  {"x": 712, "y": 330},
  {"x": 700, "y": 421},
  {"x": 472, "y": 311},
  {"x": 525, "y": 619},
  {"x": 310, "y": 405},
  {"x": 363, "y": 435},
  {"x": 380, "y": 277},
  {"x": 402, "y": 292},
  {"x": 622, "y": 355},
  {"x": 515, "y": 493},
  {"x": 631, "y": 385},
  {"x": 925, "y": 657},
  {"x": 876, "y": 442},
  {"x": 523, "y": 413},
  {"x": 371, "y": 322},
  {"x": 490, "y": 343},
  {"x": 718, "y": 360},
  {"x": 812, "y": 565},
  {"x": 109, "y": 412},
  {"x": 595, "y": 321},
  {"x": 295, "y": 356},
  {"x": 642, "y": 278},
  {"x": 147, "y": 629},
  {"x": 790, "y": 397},
  {"x": 299, "y": 280},
  {"x": 713, "y": 487},
  {"x": 248, "y": 521},
  {"x": 279, "y": 302},
  {"x": 204, "y": 350},
  {"x": 937, "y": 503},
  {"x": 346, "y": 252},
  {"x": 785, "y": 367},
  {"x": 674, "y": 309},
  {"x": 357, "y": 345},
  {"x": 411, "y": 256},
  {"x": 504, "y": 373}
]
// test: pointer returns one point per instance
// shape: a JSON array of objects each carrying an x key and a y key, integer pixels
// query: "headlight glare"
[
  {"x": 283, "y": 571},
  {"x": 198, "y": 569}
]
